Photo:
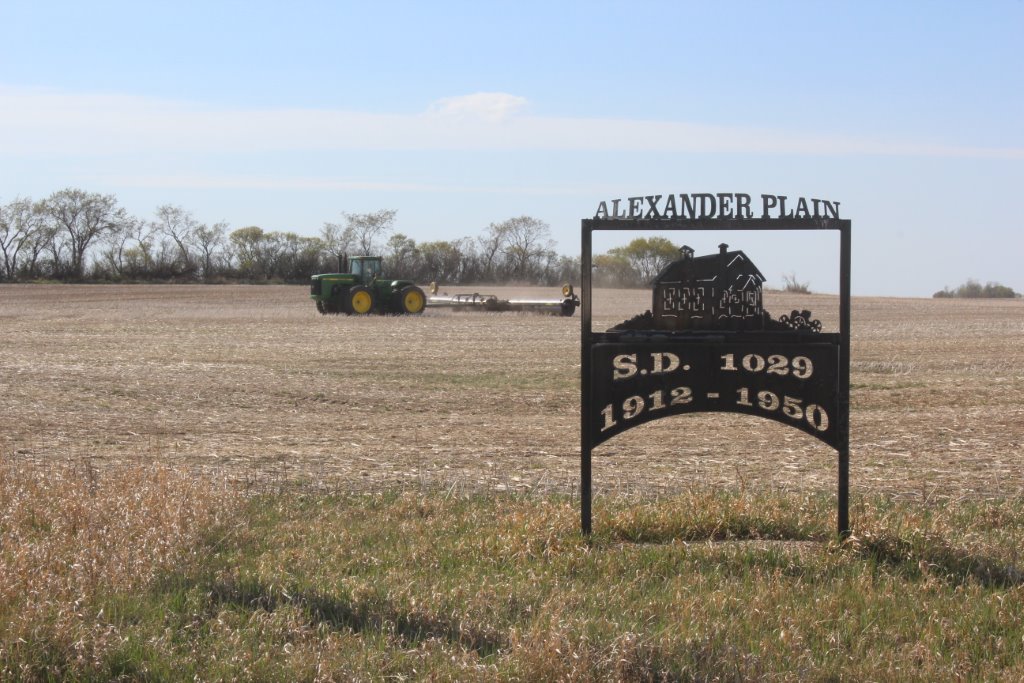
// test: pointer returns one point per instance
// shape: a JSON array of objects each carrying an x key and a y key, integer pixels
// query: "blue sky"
[{"x": 283, "y": 115}]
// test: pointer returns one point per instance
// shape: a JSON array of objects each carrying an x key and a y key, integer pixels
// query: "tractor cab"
[{"x": 366, "y": 269}]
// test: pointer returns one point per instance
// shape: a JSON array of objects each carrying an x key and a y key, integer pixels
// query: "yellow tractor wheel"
[
  {"x": 412, "y": 300},
  {"x": 360, "y": 300}
]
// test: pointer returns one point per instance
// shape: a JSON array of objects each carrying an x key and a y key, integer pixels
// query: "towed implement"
[
  {"x": 565, "y": 306},
  {"x": 362, "y": 288}
]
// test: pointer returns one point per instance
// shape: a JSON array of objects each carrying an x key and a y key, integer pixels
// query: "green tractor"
[{"x": 365, "y": 290}]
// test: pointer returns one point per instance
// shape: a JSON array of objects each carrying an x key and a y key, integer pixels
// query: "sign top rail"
[{"x": 594, "y": 224}]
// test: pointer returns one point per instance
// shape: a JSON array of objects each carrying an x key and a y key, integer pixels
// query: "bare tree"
[
  {"x": 119, "y": 255},
  {"x": 528, "y": 244},
  {"x": 81, "y": 218},
  {"x": 337, "y": 239},
  {"x": 36, "y": 246},
  {"x": 146, "y": 257},
  {"x": 178, "y": 224},
  {"x": 209, "y": 241},
  {"x": 492, "y": 243},
  {"x": 18, "y": 223},
  {"x": 368, "y": 229},
  {"x": 54, "y": 242},
  {"x": 299, "y": 256}
]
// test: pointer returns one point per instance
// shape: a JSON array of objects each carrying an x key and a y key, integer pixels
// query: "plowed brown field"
[{"x": 252, "y": 383}]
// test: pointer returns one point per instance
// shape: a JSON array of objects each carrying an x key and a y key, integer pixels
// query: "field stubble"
[{"x": 252, "y": 384}]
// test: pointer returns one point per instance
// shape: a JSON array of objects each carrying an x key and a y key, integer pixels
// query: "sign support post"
[
  {"x": 586, "y": 282},
  {"x": 843, "y": 496}
]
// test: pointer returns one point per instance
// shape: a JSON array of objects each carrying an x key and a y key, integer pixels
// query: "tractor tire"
[
  {"x": 331, "y": 305},
  {"x": 359, "y": 300},
  {"x": 410, "y": 301}
]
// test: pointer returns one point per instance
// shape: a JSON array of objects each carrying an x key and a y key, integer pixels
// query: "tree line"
[
  {"x": 78, "y": 236},
  {"x": 972, "y": 289}
]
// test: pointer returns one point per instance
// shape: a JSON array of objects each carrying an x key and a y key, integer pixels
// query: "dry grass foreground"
[
  {"x": 144, "y": 574},
  {"x": 69, "y": 537},
  {"x": 251, "y": 383}
]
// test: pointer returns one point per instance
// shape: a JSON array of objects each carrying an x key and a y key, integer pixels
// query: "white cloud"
[
  {"x": 487, "y": 106},
  {"x": 229, "y": 181},
  {"x": 38, "y": 123}
]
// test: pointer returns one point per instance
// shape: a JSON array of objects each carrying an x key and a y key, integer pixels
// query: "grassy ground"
[
  {"x": 174, "y": 579},
  {"x": 217, "y": 483}
]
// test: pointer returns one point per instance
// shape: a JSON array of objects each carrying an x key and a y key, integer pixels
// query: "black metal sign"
[
  {"x": 707, "y": 345},
  {"x": 792, "y": 383}
]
